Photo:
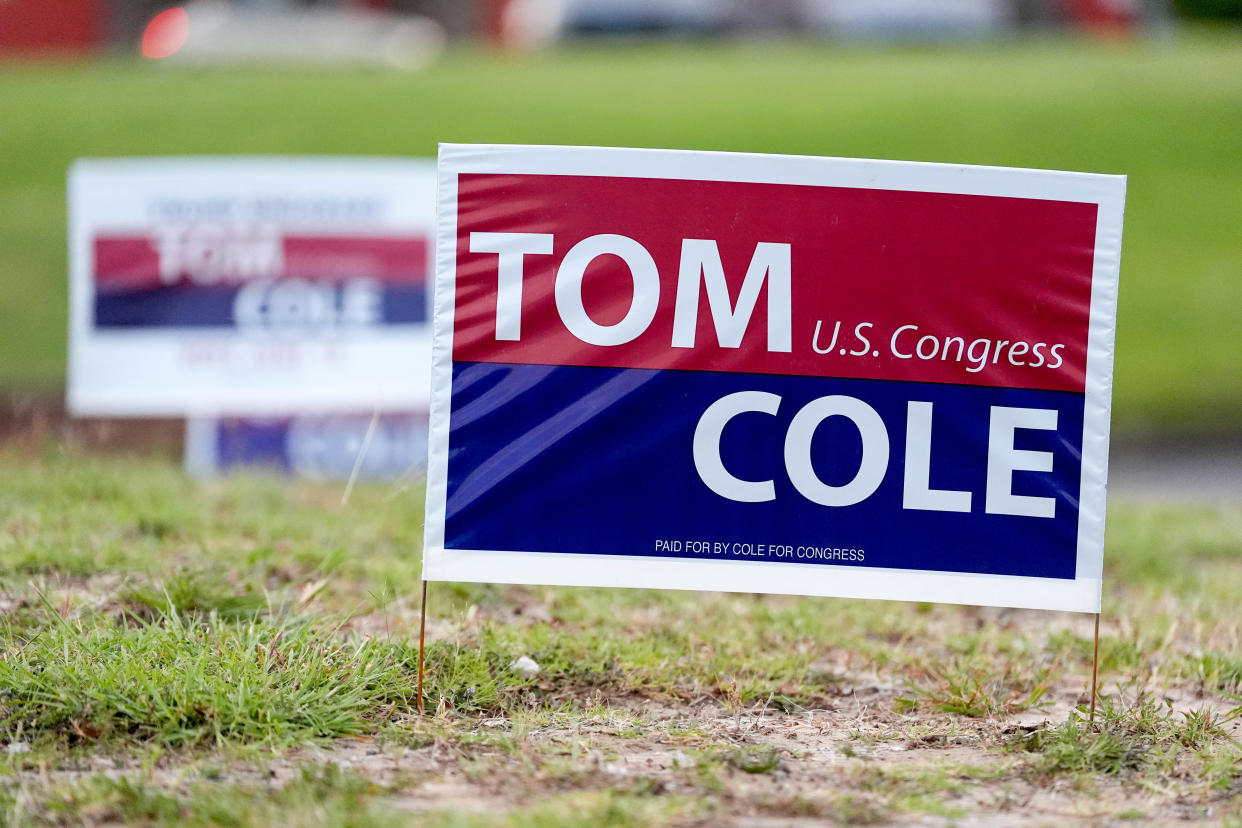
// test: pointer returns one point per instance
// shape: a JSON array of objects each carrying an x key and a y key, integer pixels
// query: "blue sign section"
[
  {"x": 196, "y": 306},
  {"x": 324, "y": 447},
  {"x": 601, "y": 460},
  {"x": 191, "y": 307},
  {"x": 253, "y": 443}
]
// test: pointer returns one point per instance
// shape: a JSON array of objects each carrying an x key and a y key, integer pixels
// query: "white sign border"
[
  {"x": 1082, "y": 594},
  {"x": 385, "y": 368}
]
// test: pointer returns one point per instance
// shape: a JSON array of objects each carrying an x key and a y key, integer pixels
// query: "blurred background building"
[{"x": 91, "y": 26}]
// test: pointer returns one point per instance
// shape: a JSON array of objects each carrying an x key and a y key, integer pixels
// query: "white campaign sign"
[
  {"x": 249, "y": 286},
  {"x": 761, "y": 373}
]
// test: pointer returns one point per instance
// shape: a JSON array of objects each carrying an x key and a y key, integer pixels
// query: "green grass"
[
  {"x": 165, "y": 643},
  {"x": 924, "y": 789},
  {"x": 316, "y": 797},
  {"x": 1168, "y": 113},
  {"x": 1130, "y": 738},
  {"x": 184, "y": 681},
  {"x": 329, "y": 797}
]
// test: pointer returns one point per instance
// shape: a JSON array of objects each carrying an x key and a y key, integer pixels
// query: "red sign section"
[
  {"x": 869, "y": 276},
  {"x": 213, "y": 256}
]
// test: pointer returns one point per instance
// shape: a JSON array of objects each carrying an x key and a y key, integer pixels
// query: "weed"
[
  {"x": 196, "y": 593},
  {"x": 316, "y": 796},
  {"x": 1217, "y": 671},
  {"x": 181, "y": 682},
  {"x": 608, "y": 808},
  {"x": 854, "y": 809},
  {"x": 972, "y": 686},
  {"x": 1073, "y": 749},
  {"x": 754, "y": 759},
  {"x": 922, "y": 788},
  {"x": 707, "y": 769},
  {"x": 1144, "y": 734}
]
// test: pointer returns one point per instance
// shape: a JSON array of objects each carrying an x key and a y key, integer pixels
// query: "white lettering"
[
  {"x": 917, "y": 492},
  {"x": 864, "y": 344},
  {"x": 874, "y": 461},
  {"x": 707, "y": 434},
  {"x": 892, "y": 344},
  {"x": 510, "y": 249},
  {"x": 815, "y": 339},
  {"x": 569, "y": 289},
  {"x": 1004, "y": 460},
  {"x": 214, "y": 253},
  {"x": 298, "y": 306},
  {"x": 702, "y": 257}
]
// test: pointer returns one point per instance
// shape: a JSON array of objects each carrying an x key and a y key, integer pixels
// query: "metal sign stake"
[
  {"x": 422, "y": 632},
  {"x": 1095, "y": 663}
]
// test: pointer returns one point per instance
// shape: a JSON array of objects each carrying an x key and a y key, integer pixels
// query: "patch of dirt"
[{"x": 855, "y": 762}]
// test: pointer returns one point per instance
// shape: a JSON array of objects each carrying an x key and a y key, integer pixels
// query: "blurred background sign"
[
  {"x": 247, "y": 286},
  {"x": 387, "y": 447}
]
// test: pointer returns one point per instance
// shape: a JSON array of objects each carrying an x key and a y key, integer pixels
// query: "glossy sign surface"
[{"x": 771, "y": 373}]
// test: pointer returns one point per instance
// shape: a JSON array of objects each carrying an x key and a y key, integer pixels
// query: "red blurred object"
[
  {"x": 492, "y": 21},
  {"x": 1108, "y": 18},
  {"x": 35, "y": 27},
  {"x": 166, "y": 33}
]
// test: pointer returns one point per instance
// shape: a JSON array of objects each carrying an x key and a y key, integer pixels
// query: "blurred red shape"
[{"x": 166, "y": 33}]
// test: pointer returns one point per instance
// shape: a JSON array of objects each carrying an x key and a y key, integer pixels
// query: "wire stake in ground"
[
  {"x": 422, "y": 632},
  {"x": 1094, "y": 667},
  {"x": 362, "y": 453}
]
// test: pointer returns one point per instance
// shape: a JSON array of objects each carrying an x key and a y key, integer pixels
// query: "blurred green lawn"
[{"x": 1167, "y": 113}]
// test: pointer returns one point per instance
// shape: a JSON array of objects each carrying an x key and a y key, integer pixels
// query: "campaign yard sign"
[
  {"x": 384, "y": 447},
  {"x": 213, "y": 286},
  {"x": 772, "y": 374}
]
